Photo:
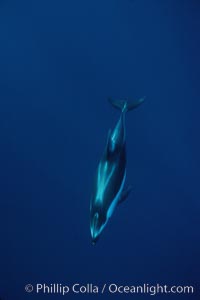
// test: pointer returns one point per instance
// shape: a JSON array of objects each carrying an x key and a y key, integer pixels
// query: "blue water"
[{"x": 59, "y": 61}]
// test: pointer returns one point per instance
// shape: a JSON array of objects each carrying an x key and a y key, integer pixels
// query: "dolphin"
[{"x": 110, "y": 176}]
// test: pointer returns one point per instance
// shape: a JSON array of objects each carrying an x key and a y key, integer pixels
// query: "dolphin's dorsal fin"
[{"x": 125, "y": 194}]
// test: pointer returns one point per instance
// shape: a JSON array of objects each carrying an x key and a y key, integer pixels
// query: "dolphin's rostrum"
[{"x": 111, "y": 173}]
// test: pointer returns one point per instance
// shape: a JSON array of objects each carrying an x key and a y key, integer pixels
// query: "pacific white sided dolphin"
[{"x": 111, "y": 173}]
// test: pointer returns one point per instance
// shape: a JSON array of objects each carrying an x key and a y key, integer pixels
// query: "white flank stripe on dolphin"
[
  {"x": 103, "y": 181},
  {"x": 116, "y": 199}
]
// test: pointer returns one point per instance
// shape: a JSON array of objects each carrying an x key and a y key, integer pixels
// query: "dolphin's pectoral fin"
[{"x": 125, "y": 194}]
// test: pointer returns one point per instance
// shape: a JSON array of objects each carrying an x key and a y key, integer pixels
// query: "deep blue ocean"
[{"x": 59, "y": 62}]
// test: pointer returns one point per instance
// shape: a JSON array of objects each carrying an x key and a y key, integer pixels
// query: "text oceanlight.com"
[{"x": 112, "y": 288}]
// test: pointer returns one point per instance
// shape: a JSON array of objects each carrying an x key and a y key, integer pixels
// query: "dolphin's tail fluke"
[{"x": 125, "y": 105}]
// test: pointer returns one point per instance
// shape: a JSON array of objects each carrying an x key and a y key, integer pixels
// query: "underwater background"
[{"x": 59, "y": 62}]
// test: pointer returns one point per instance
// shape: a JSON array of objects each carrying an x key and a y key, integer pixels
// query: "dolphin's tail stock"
[{"x": 125, "y": 105}]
